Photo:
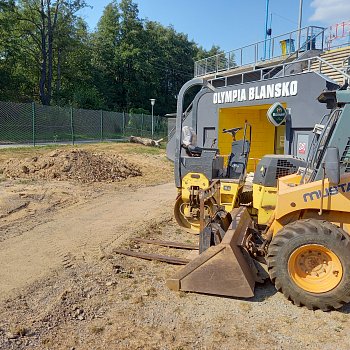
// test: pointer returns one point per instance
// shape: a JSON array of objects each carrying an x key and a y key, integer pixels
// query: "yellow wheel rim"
[{"x": 315, "y": 268}]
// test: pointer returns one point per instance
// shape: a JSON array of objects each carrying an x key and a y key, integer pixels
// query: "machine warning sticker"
[{"x": 302, "y": 148}]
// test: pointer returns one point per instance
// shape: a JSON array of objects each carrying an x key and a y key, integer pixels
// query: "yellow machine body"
[
  {"x": 192, "y": 183},
  {"x": 229, "y": 192},
  {"x": 264, "y": 201},
  {"x": 297, "y": 201},
  {"x": 293, "y": 201}
]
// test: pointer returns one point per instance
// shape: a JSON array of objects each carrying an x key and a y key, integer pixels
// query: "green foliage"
[
  {"x": 120, "y": 66},
  {"x": 87, "y": 97},
  {"x": 138, "y": 111}
]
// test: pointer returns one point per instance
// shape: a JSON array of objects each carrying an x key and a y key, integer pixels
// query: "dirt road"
[{"x": 77, "y": 233}]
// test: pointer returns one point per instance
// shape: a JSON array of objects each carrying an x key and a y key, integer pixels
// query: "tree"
[
  {"x": 39, "y": 21},
  {"x": 105, "y": 42},
  {"x": 47, "y": 53},
  {"x": 129, "y": 54}
]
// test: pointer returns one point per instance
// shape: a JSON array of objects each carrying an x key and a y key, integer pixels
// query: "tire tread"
[{"x": 313, "y": 230}]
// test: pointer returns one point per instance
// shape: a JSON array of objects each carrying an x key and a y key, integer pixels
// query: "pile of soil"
[{"x": 80, "y": 165}]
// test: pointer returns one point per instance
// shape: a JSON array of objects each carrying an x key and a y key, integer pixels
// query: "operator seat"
[
  {"x": 237, "y": 162},
  {"x": 189, "y": 140},
  {"x": 238, "y": 159}
]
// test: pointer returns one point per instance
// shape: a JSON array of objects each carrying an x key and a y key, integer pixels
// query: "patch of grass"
[
  {"x": 151, "y": 292},
  {"x": 245, "y": 307},
  {"x": 19, "y": 331},
  {"x": 339, "y": 328},
  {"x": 95, "y": 329},
  {"x": 139, "y": 149},
  {"x": 25, "y": 181},
  {"x": 182, "y": 294},
  {"x": 339, "y": 317},
  {"x": 241, "y": 334}
]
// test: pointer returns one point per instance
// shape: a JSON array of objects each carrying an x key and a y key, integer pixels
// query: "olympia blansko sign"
[{"x": 285, "y": 89}]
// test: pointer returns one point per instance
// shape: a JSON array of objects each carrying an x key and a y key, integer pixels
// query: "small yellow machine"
[{"x": 201, "y": 167}]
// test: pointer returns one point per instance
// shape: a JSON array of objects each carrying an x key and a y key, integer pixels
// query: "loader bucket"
[{"x": 225, "y": 269}]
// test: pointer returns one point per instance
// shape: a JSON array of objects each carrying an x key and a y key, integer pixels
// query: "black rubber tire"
[{"x": 300, "y": 233}]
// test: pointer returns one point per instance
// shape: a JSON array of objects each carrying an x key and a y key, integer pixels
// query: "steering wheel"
[{"x": 232, "y": 131}]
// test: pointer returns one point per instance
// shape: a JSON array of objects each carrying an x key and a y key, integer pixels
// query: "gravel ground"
[
  {"x": 120, "y": 302},
  {"x": 97, "y": 299}
]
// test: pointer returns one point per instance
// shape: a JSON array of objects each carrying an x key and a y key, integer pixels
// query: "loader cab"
[{"x": 333, "y": 131}]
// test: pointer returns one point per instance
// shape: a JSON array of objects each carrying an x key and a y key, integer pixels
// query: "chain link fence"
[{"x": 32, "y": 123}]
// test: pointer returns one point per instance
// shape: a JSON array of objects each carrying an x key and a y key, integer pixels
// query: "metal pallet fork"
[{"x": 157, "y": 257}]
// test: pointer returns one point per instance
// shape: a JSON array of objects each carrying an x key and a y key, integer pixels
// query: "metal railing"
[
  {"x": 277, "y": 47},
  {"x": 284, "y": 70},
  {"x": 293, "y": 55},
  {"x": 346, "y": 65},
  {"x": 32, "y": 123},
  {"x": 339, "y": 33}
]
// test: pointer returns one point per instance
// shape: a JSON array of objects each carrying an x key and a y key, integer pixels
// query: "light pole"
[{"x": 153, "y": 101}]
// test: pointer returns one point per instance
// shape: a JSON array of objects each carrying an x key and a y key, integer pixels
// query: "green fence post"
[
  {"x": 123, "y": 123},
  {"x": 33, "y": 122},
  {"x": 142, "y": 124},
  {"x": 101, "y": 125},
  {"x": 71, "y": 124}
]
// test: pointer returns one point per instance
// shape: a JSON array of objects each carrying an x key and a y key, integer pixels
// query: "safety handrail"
[
  {"x": 283, "y": 67},
  {"x": 249, "y": 54},
  {"x": 332, "y": 66},
  {"x": 296, "y": 53},
  {"x": 346, "y": 65}
]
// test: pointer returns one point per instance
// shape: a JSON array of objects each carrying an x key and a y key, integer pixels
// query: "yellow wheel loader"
[
  {"x": 296, "y": 232},
  {"x": 299, "y": 233}
]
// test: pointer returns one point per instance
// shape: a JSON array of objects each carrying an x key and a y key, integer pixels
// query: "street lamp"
[{"x": 153, "y": 101}]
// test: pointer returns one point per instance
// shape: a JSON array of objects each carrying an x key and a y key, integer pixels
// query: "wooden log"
[{"x": 145, "y": 141}]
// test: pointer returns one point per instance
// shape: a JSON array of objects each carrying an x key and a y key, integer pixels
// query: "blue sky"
[{"x": 230, "y": 23}]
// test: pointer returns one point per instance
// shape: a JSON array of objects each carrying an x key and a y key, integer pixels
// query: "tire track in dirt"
[{"x": 79, "y": 233}]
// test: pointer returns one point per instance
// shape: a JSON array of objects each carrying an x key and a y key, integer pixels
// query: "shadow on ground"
[{"x": 263, "y": 291}]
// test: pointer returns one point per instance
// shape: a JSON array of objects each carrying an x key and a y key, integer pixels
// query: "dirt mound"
[{"x": 80, "y": 165}]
